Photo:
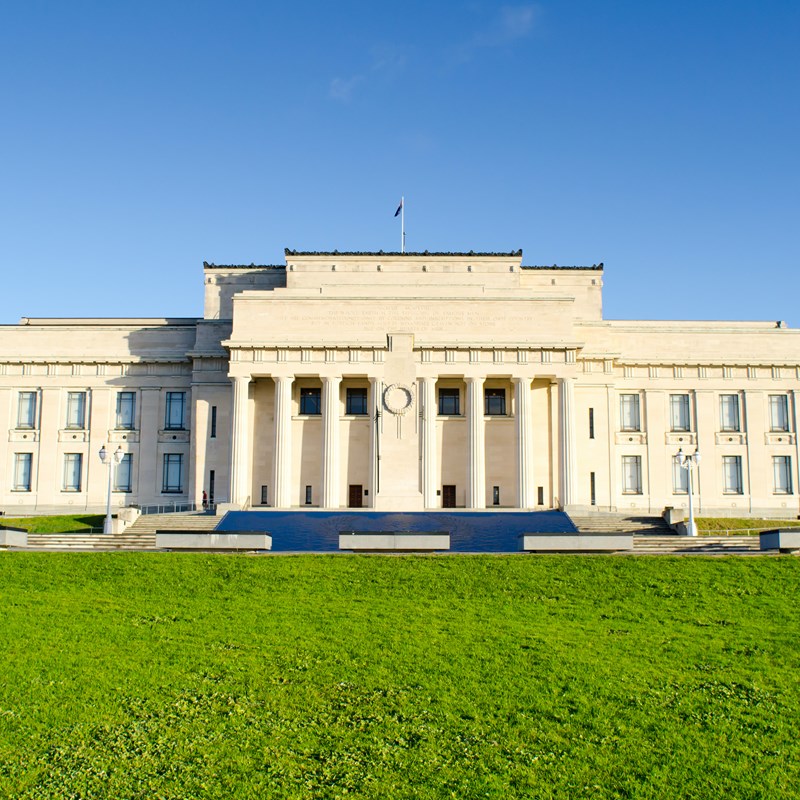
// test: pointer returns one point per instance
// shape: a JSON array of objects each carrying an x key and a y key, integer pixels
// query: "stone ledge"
[
  {"x": 786, "y": 540},
  {"x": 576, "y": 542},
  {"x": 411, "y": 542},
  {"x": 197, "y": 540},
  {"x": 13, "y": 537}
]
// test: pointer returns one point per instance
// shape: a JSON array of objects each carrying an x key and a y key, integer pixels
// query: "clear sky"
[{"x": 138, "y": 139}]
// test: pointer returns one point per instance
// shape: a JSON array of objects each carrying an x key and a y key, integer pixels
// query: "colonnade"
[{"x": 476, "y": 438}]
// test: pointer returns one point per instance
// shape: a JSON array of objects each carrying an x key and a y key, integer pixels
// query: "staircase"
[
  {"x": 652, "y": 536},
  {"x": 139, "y": 536}
]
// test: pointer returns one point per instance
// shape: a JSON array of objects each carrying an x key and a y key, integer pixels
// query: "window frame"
[
  {"x": 310, "y": 395},
  {"x": 635, "y": 405},
  {"x": 75, "y": 460},
  {"x": 680, "y": 477},
  {"x": 118, "y": 417},
  {"x": 33, "y": 397},
  {"x": 127, "y": 459},
  {"x": 491, "y": 394},
  {"x": 779, "y": 406},
  {"x": 76, "y": 402},
  {"x": 787, "y": 462},
  {"x": 353, "y": 408},
  {"x": 738, "y": 419},
  {"x": 680, "y": 403},
  {"x": 19, "y": 459},
  {"x": 635, "y": 461},
  {"x": 175, "y": 399},
  {"x": 736, "y": 462},
  {"x": 451, "y": 394},
  {"x": 170, "y": 461}
]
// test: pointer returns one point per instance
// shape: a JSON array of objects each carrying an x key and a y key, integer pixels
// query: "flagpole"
[{"x": 402, "y": 224}]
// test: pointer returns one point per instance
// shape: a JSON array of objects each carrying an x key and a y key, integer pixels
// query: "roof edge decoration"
[
  {"x": 288, "y": 252},
  {"x": 599, "y": 266},
  {"x": 206, "y": 265}
]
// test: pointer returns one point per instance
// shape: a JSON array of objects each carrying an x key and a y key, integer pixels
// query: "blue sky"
[{"x": 139, "y": 139}]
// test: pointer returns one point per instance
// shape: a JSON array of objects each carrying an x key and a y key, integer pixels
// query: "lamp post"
[
  {"x": 689, "y": 462},
  {"x": 109, "y": 460}
]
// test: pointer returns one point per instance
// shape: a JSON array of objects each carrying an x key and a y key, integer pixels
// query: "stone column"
[
  {"x": 330, "y": 443},
  {"x": 524, "y": 430},
  {"x": 476, "y": 484},
  {"x": 283, "y": 441},
  {"x": 374, "y": 389},
  {"x": 567, "y": 440},
  {"x": 429, "y": 464},
  {"x": 240, "y": 441}
]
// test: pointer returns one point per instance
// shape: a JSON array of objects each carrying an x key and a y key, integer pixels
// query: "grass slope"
[
  {"x": 64, "y": 523},
  {"x": 196, "y": 676}
]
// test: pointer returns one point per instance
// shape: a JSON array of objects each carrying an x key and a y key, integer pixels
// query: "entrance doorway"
[
  {"x": 448, "y": 496},
  {"x": 355, "y": 497}
]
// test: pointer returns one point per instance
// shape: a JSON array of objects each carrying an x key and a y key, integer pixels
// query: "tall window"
[
  {"x": 22, "y": 471},
  {"x": 76, "y": 410},
  {"x": 73, "y": 469},
  {"x": 732, "y": 474},
  {"x": 679, "y": 419},
  {"x": 176, "y": 411},
  {"x": 631, "y": 474},
  {"x": 778, "y": 413},
  {"x": 357, "y": 401},
  {"x": 26, "y": 410},
  {"x": 123, "y": 474},
  {"x": 782, "y": 471},
  {"x": 494, "y": 402},
  {"x": 729, "y": 413},
  {"x": 591, "y": 423},
  {"x": 680, "y": 477},
  {"x": 213, "y": 434},
  {"x": 310, "y": 400},
  {"x": 449, "y": 402},
  {"x": 172, "y": 479},
  {"x": 126, "y": 410},
  {"x": 308, "y": 495},
  {"x": 629, "y": 412}
]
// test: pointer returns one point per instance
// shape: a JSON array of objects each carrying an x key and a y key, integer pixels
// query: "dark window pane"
[
  {"x": 448, "y": 401},
  {"x": 310, "y": 401},
  {"x": 494, "y": 402},
  {"x": 356, "y": 401}
]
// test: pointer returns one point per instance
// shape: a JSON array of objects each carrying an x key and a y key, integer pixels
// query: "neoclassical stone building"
[{"x": 400, "y": 382}]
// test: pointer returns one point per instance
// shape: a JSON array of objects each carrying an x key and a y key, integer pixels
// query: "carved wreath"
[{"x": 398, "y": 398}]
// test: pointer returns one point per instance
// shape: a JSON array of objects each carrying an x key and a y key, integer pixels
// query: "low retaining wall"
[
  {"x": 576, "y": 542},
  {"x": 410, "y": 542},
  {"x": 210, "y": 540},
  {"x": 13, "y": 537},
  {"x": 786, "y": 540}
]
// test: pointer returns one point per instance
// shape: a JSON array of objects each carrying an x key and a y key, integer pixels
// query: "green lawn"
[
  {"x": 194, "y": 676},
  {"x": 743, "y": 524},
  {"x": 65, "y": 523}
]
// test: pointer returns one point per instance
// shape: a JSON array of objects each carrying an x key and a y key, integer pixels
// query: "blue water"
[{"x": 470, "y": 531}]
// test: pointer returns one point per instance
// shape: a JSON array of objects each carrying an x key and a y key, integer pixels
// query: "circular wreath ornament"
[{"x": 398, "y": 398}]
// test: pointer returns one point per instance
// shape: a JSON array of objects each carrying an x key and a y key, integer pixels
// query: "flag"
[{"x": 399, "y": 208}]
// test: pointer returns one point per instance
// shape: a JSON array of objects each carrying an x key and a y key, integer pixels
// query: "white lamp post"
[
  {"x": 689, "y": 462},
  {"x": 109, "y": 461}
]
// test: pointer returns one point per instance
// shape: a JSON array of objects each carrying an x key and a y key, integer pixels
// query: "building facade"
[{"x": 400, "y": 382}]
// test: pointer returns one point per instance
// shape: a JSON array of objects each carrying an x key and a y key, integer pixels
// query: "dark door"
[
  {"x": 356, "y": 495},
  {"x": 448, "y": 496}
]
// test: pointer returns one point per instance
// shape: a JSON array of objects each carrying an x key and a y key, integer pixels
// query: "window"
[
  {"x": 592, "y": 489},
  {"x": 176, "y": 411},
  {"x": 26, "y": 411},
  {"x": 123, "y": 473},
  {"x": 126, "y": 408},
  {"x": 172, "y": 479},
  {"x": 495, "y": 495},
  {"x": 591, "y": 423},
  {"x": 213, "y": 434},
  {"x": 356, "y": 401},
  {"x": 629, "y": 412},
  {"x": 76, "y": 410},
  {"x": 73, "y": 467},
  {"x": 308, "y": 495},
  {"x": 22, "y": 471},
  {"x": 494, "y": 403},
  {"x": 265, "y": 495},
  {"x": 310, "y": 401},
  {"x": 778, "y": 413},
  {"x": 632, "y": 474},
  {"x": 679, "y": 412},
  {"x": 449, "y": 402},
  {"x": 732, "y": 474},
  {"x": 680, "y": 477},
  {"x": 729, "y": 413},
  {"x": 782, "y": 470}
]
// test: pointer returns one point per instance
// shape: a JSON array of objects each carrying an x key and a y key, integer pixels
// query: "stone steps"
[
  {"x": 699, "y": 545},
  {"x": 91, "y": 541},
  {"x": 186, "y": 521},
  {"x": 621, "y": 523}
]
